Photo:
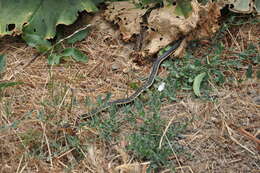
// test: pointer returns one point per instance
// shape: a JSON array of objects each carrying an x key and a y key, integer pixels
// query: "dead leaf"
[
  {"x": 164, "y": 25},
  {"x": 127, "y": 16},
  {"x": 208, "y": 23}
]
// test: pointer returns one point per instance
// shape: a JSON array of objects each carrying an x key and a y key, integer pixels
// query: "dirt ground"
[{"x": 220, "y": 138}]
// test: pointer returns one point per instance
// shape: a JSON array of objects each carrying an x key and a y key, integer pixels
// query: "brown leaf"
[
  {"x": 127, "y": 16},
  {"x": 208, "y": 23},
  {"x": 164, "y": 25}
]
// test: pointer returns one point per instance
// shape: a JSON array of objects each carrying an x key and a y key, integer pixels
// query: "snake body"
[{"x": 146, "y": 85}]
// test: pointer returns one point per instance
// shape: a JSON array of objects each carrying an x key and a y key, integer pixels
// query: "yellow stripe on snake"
[{"x": 146, "y": 85}]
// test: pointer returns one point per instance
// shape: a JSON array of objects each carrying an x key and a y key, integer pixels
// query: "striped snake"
[{"x": 146, "y": 85}]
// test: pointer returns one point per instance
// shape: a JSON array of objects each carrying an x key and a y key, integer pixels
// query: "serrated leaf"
[
  {"x": 54, "y": 59},
  {"x": 75, "y": 54},
  {"x": 78, "y": 36},
  {"x": 9, "y": 84},
  {"x": 36, "y": 41},
  {"x": 2, "y": 63},
  {"x": 197, "y": 82},
  {"x": 183, "y": 8}
]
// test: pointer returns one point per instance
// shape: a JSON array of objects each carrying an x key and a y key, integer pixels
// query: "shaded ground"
[{"x": 214, "y": 140}]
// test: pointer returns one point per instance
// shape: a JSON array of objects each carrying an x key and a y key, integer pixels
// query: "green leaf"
[
  {"x": 162, "y": 51},
  {"x": 108, "y": 97},
  {"x": 249, "y": 71},
  {"x": 78, "y": 36},
  {"x": 75, "y": 54},
  {"x": 183, "y": 8},
  {"x": 220, "y": 78},
  {"x": 133, "y": 85},
  {"x": 54, "y": 59},
  {"x": 2, "y": 63},
  {"x": 10, "y": 9},
  {"x": 9, "y": 84},
  {"x": 36, "y": 41},
  {"x": 257, "y": 6},
  {"x": 68, "y": 52},
  {"x": 258, "y": 74},
  {"x": 40, "y": 16},
  {"x": 197, "y": 82},
  {"x": 241, "y": 6}
]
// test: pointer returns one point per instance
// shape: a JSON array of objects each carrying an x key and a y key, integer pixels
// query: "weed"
[
  {"x": 182, "y": 72},
  {"x": 32, "y": 140},
  {"x": 144, "y": 139},
  {"x": 144, "y": 143},
  {"x": 106, "y": 127},
  {"x": 7, "y": 108}
]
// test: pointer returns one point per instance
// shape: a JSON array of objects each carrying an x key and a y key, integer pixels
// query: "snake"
[{"x": 173, "y": 47}]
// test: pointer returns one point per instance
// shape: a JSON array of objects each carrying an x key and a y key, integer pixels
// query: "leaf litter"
[
  {"x": 163, "y": 25},
  {"x": 208, "y": 138}
]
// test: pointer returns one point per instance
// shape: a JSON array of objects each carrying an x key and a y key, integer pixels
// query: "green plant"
[
  {"x": 196, "y": 73},
  {"x": 107, "y": 127},
  {"x": 145, "y": 142},
  {"x": 186, "y": 75},
  {"x": 4, "y": 85},
  {"x": 37, "y": 22},
  {"x": 183, "y": 7},
  {"x": 2, "y": 63},
  {"x": 41, "y": 17},
  {"x": 9, "y": 84},
  {"x": 55, "y": 52}
]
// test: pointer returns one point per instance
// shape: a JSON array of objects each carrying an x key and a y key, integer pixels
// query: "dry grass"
[{"x": 35, "y": 109}]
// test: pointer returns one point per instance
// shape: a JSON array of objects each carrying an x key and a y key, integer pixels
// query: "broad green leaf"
[
  {"x": 68, "y": 52},
  {"x": 78, "y": 36},
  {"x": 36, "y": 41},
  {"x": 40, "y": 16},
  {"x": 197, "y": 82},
  {"x": 75, "y": 54},
  {"x": 183, "y": 8},
  {"x": 9, "y": 84},
  {"x": 257, "y": 6},
  {"x": 16, "y": 13},
  {"x": 2, "y": 63},
  {"x": 241, "y": 6},
  {"x": 54, "y": 59}
]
